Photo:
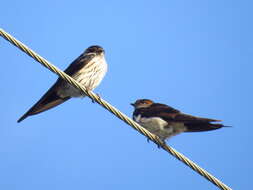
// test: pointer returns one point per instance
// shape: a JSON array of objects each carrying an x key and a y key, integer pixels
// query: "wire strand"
[{"x": 114, "y": 111}]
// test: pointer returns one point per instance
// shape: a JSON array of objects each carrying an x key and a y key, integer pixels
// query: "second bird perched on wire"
[
  {"x": 88, "y": 69},
  {"x": 165, "y": 121}
]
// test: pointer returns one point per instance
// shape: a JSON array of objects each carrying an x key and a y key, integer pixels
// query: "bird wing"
[
  {"x": 171, "y": 114},
  {"x": 157, "y": 110},
  {"x": 189, "y": 118},
  {"x": 49, "y": 100},
  {"x": 79, "y": 63}
]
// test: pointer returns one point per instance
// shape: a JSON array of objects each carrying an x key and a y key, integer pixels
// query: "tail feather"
[
  {"x": 198, "y": 127},
  {"x": 48, "y": 101}
]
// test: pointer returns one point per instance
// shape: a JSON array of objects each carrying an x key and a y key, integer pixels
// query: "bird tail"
[
  {"x": 48, "y": 101},
  {"x": 198, "y": 127}
]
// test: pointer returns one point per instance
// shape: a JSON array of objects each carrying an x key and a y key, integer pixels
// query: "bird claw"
[
  {"x": 158, "y": 145},
  {"x": 93, "y": 101},
  {"x": 162, "y": 144},
  {"x": 98, "y": 96}
]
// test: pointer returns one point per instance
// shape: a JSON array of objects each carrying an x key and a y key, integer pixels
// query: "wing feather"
[{"x": 171, "y": 114}]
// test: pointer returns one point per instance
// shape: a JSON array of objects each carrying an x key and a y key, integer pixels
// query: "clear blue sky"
[{"x": 193, "y": 55}]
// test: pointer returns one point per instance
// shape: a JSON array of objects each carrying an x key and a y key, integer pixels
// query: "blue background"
[{"x": 193, "y": 55}]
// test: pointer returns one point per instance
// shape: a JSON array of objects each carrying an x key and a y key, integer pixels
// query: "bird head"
[
  {"x": 142, "y": 103},
  {"x": 98, "y": 50}
]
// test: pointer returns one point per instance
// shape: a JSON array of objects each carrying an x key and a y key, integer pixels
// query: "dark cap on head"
[{"x": 95, "y": 49}]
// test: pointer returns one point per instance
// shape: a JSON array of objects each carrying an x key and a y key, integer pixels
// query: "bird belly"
[
  {"x": 154, "y": 125},
  {"x": 160, "y": 127}
]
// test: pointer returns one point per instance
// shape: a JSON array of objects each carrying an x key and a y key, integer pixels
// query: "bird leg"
[
  {"x": 98, "y": 98},
  {"x": 93, "y": 101},
  {"x": 163, "y": 143}
]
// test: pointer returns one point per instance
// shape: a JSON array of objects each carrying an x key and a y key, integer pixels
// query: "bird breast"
[
  {"x": 89, "y": 76},
  {"x": 160, "y": 127},
  {"x": 153, "y": 124}
]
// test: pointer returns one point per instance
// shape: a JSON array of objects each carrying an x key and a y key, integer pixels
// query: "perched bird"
[
  {"x": 88, "y": 69},
  {"x": 165, "y": 121}
]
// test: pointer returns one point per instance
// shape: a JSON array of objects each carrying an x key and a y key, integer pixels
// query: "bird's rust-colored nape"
[{"x": 141, "y": 103}]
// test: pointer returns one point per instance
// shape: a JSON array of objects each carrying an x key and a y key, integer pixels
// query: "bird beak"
[{"x": 132, "y": 104}]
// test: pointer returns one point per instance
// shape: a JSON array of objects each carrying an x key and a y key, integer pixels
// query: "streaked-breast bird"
[{"x": 88, "y": 69}]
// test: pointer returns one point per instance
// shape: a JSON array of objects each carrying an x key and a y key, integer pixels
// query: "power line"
[{"x": 114, "y": 111}]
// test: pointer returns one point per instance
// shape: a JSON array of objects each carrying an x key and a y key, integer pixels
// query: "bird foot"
[
  {"x": 158, "y": 145},
  {"x": 162, "y": 143},
  {"x": 93, "y": 101}
]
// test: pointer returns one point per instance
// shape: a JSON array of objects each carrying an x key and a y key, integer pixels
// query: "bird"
[
  {"x": 165, "y": 121},
  {"x": 88, "y": 69}
]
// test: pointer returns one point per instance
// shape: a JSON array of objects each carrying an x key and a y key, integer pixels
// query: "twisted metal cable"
[{"x": 114, "y": 111}]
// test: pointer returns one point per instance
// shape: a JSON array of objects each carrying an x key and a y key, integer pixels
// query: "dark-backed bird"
[
  {"x": 165, "y": 121},
  {"x": 88, "y": 69}
]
